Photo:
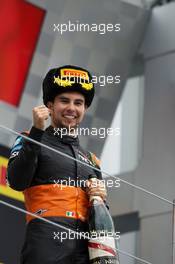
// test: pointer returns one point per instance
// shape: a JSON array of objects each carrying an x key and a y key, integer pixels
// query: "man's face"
[{"x": 67, "y": 110}]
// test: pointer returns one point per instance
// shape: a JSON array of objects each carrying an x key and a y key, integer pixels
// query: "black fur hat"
[{"x": 66, "y": 79}]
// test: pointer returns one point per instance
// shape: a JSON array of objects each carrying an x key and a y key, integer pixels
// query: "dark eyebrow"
[
  {"x": 79, "y": 100},
  {"x": 63, "y": 97}
]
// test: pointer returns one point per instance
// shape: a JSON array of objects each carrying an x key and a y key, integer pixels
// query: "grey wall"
[{"x": 156, "y": 169}]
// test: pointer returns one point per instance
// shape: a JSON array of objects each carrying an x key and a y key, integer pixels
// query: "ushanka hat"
[{"x": 68, "y": 79}]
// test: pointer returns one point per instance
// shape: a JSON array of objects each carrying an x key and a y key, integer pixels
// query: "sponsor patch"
[
  {"x": 16, "y": 147},
  {"x": 40, "y": 211},
  {"x": 70, "y": 214},
  {"x": 84, "y": 158},
  {"x": 14, "y": 154}
]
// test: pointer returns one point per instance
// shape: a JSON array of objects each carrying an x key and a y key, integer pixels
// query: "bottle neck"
[{"x": 95, "y": 197}]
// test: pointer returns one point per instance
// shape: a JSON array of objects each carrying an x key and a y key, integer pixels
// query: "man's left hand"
[{"x": 96, "y": 188}]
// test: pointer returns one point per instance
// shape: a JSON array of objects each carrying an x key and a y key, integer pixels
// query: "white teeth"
[{"x": 70, "y": 117}]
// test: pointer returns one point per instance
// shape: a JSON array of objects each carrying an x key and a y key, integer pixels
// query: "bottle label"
[
  {"x": 102, "y": 250},
  {"x": 104, "y": 260}
]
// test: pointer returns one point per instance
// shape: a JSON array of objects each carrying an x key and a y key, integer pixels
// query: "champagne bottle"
[{"x": 102, "y": 245}]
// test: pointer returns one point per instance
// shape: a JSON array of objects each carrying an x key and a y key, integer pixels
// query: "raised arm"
[{"x": 24, "y": 154}]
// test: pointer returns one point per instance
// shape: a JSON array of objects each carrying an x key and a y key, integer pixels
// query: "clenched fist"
[
  {"x": 96, "y": 187},
  {"x": 40, "y": 114}
]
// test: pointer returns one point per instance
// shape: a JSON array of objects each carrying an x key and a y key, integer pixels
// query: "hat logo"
[
  {"x": 61, "y": 82},
  {"x": 69, "y": 77},
  {"x": 74, "y": 73}
]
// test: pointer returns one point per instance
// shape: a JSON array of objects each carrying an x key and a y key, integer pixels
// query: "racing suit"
[{"x": 54, "y": 188}]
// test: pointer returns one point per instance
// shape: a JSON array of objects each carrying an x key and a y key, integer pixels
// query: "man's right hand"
[{"x": 40, "y": 115}]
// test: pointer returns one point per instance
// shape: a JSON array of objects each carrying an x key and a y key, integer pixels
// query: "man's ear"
[{"x": 50, "y": 105}]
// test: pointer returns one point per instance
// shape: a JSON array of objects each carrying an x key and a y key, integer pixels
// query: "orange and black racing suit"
[{"x": 54, "y": 188}]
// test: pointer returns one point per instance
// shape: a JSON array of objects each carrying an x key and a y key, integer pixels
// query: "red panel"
[
  {"x": 3, "y": 175},
  {"x": 20, "y": 26}
]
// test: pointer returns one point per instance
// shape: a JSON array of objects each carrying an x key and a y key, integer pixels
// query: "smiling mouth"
[{"x": 69, "y": 117}]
